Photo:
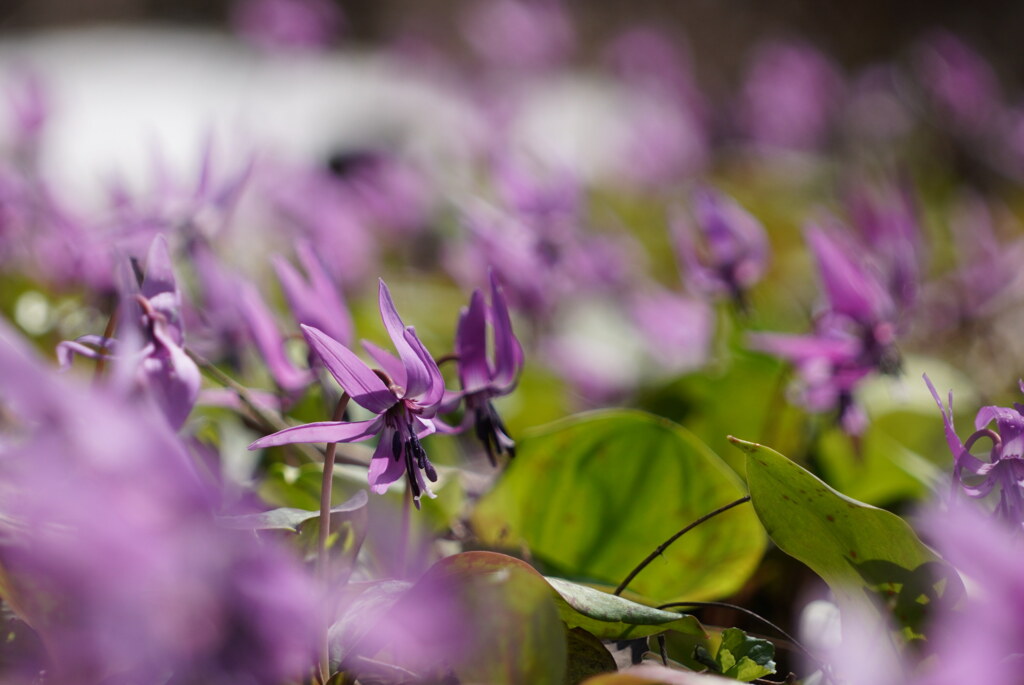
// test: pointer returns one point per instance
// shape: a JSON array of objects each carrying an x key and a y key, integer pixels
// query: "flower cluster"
[{"x": 407, "y": 392}]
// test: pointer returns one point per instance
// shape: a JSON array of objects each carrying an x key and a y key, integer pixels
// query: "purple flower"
[
  {"x": 733, "y": 249},
  {"x": 666, "y": 114},
  {"x": 164, "y": 371},
  {"x": 288, "y": 25},
  {"x": 855, "y": 334},
  {"x": 315, "y": 301},
  {"x": 263, "y": 330},
  {"x": 404, "y": 396},
  {"x": 107, "y": 525},
  {"x": 1005, "y": 469},
  {"x": 520, "y": 34},
  {"x": 790, "y": 96},
  {"x": 959, "y": 82},
  {"x": 483, "y": 379}
]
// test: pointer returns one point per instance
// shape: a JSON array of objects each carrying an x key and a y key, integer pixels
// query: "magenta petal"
[
  {"x": 316, "y": 302},
  {"x": 268, "y": 339},
  {"x": 389, "y": 363},
  {"x": 433, "y": 391},
  {"x": 159, "y": 277},
  {"x": 508, "y": 353},
  {"x": 323, "y": 431},
  {"x": 384, "y": 468},
  {"x": 364, "y": 386},
  {"x": 471, "y": 345},
  {"x": 852, "y": 290},
  {"x": 955, "y": 446},
  {"x": 801, "y": 348},
  {"x": 417, "y": 378}
]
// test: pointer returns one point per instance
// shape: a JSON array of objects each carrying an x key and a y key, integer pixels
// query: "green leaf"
[
  {"x": 592, "y": 495},
  {"x": 483, "y": 616},
  {"x": 860, "y": 551},
  {"x": 615, "y": 618},
  {"x": 587, "y": 656},
  {"x": 289, "y": 518},
  {"x": 743, "y": 657}
]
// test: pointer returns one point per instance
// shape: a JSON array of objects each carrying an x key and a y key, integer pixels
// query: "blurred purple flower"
[
  {"x": 519, "y": 34},
  {"x": 319, "y": 207},
  {"x": 404, "y": 395},
  {"x": 732, "y": 252},
  {"x": 1005, "y": 469},
  {"x": 676, "y": 329},
  {"x": 262, "y": 329},
  {"x": 483, "y": 379},
  {"x": 983, "y": 641},
  {"x": 790, "y": 96},
  {"x": 112, "y": 554},
  {"x": 164, "y": 371},
  {"x": 854, "y": 336},
  {"x": 959, "y": 82},
  {"x": 288, "y": 25},
  {"x": 987, "y": 278},
  {"x": 315, "y": 300},
  {"x": 29, "y": 106},
  {"x": 886, "y": 219},
  {"x": 667, "y": 113},
  {"x": 876, "y": 110}
]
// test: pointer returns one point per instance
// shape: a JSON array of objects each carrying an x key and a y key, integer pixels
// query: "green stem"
[
  {"x": 322, "y": 562},
  {"x": 665, "y": 545}
]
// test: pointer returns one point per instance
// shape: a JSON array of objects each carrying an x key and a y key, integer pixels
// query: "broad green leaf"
[
  {"x": 743, "y": 657},
  {"x": 610, "y": 617},
  {"x": 860, "y": 551},
  {"x": 483, "y": 616},
  {"x": 593, "y": 495},
  {"x": 289, "y": 518},
  {"x": 587, "y": 656}
]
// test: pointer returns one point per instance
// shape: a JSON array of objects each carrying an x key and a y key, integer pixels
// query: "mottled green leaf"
[
  {"x": 862, "y": 552},
  {"x": 610, "y": 617},
  {"x": 592, "y": 495}
]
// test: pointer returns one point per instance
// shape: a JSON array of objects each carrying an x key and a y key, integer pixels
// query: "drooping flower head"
[
  {"x": 1004, "y": 472},
  {"x": 404, "y": 394},
  {"x": 483, "y": 379},
  {"x": 164, "y": 371},
  {"x": 855, "y": 332},
  {"x": 732, "y": 252}
]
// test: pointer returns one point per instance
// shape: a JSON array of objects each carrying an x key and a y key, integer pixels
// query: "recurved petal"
[
  {"x": 955, "y": 446},
  {"x": 364, "y": 386},
  {"x": 508, "y": 353},
  {"x": 432, "y": 385},
  {"x": 416, "y": 375},
  {"x": 471, "y": 345},
  {"x": 323, "y": 431}
]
